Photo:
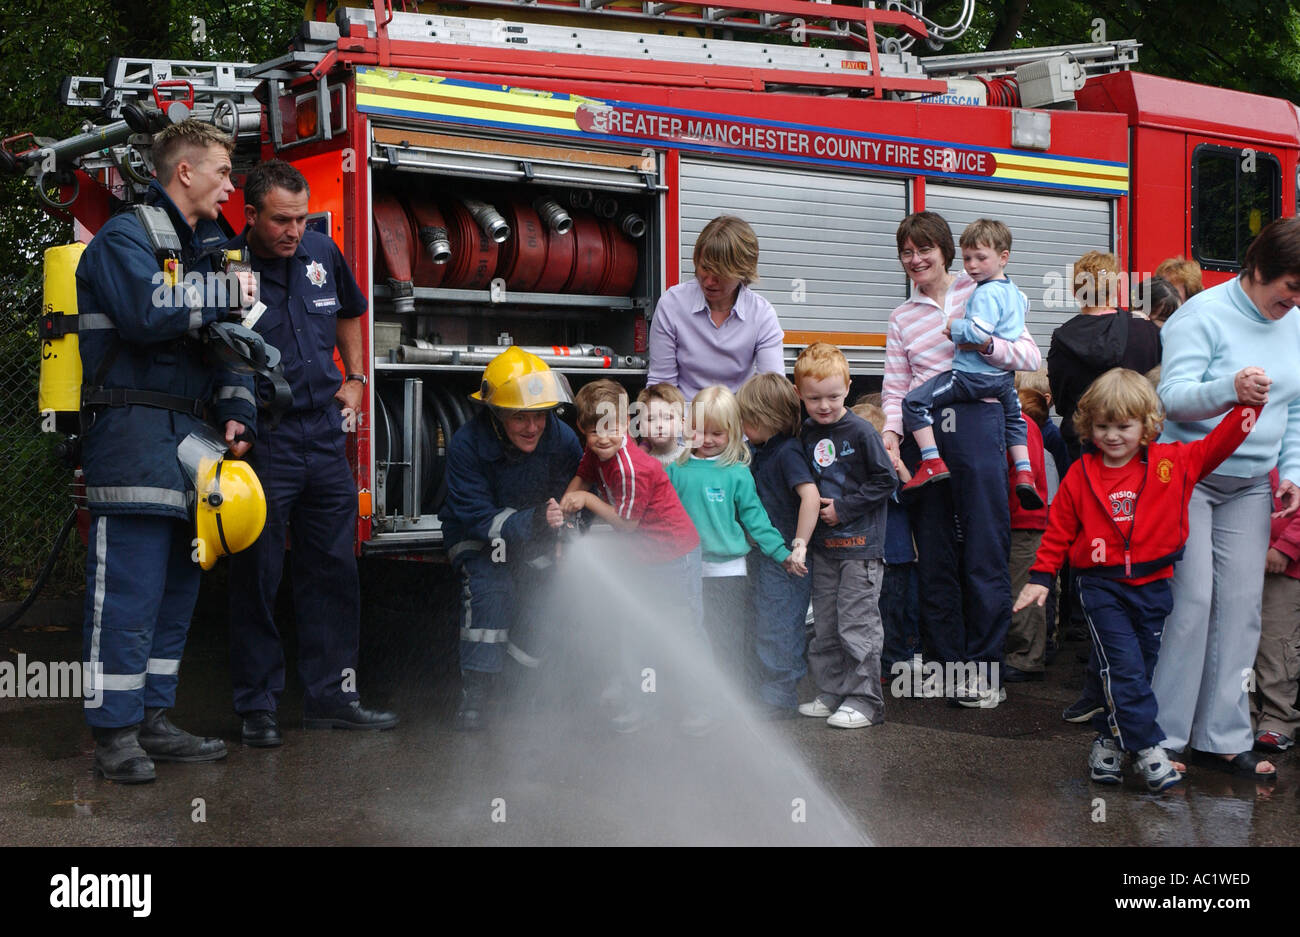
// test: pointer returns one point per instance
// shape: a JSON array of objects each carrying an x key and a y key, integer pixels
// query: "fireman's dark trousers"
[
  {"x": 303, "y": 467},
  {"x": 500, "y": 612},
  {"x": 141, "y": 585}
]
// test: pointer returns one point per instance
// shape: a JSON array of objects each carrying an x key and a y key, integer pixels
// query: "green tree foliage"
[
  {"x": 1250, "y": 45},
  {"x": 44, "y": 41}
]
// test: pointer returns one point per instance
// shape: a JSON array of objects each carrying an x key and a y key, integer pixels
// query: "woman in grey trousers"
[{"x": 1238, "y": 340}]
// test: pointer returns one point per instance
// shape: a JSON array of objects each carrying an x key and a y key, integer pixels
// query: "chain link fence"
[{"x": 35, "y": 484}]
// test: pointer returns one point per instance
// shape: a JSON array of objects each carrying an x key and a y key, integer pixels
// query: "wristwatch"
[{"x": 357, "y": 377}]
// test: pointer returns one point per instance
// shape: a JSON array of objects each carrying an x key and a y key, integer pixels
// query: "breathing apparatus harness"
[{"x": 230, "y": 343}]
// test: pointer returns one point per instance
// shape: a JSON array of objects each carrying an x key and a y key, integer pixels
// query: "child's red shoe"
[
  {"x": 1026, "y": 492},
  {"x": 930, "y": 470}
]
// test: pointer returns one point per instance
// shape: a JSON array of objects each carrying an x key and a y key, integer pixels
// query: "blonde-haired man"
[{"x": 147, "y": 387}]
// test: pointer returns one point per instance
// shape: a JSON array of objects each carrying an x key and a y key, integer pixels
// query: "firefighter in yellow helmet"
[{"x": 505, "y": 470}]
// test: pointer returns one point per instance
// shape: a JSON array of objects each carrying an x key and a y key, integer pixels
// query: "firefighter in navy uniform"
[
  {"x": 505, "y": 468},
  {"x": 146, "y": 387},
  {"x": 313, "y": 303}
]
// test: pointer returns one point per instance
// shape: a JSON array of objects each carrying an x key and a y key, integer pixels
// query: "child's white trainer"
[
  {"x": 1156, "y": 769},
  {"x": 1104, "y": 761},
  {"x": 817, "y": 709},
  {"x": 846, "y": 717}
]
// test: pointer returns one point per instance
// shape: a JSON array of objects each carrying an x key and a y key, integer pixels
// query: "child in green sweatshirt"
[{"x": 717, "y": 489}]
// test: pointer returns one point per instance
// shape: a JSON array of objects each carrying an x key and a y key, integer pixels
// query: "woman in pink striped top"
[{"x": 963, "y": 529}]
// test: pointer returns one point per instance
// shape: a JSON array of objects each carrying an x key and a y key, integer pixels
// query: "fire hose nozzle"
[
  {"x": 437, "y": 243},
  {"x": 581, "y": 198},
  {"x": 403, "y": 293},
  {"x": 606, "y": 207},
  {"x": 550, "y": 211},
  {"x": 488, "y": 218},
  {"x": 632, "y": 224}
]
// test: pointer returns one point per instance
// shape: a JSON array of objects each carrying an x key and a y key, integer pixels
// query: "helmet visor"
[
  {"x": 198, "y": 450},
  {"x": 540, "y": 390}
]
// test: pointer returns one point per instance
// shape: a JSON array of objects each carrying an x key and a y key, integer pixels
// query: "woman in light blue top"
[{"x": 1238, "y": 340}]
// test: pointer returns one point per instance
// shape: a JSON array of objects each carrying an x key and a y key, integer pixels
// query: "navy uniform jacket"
[
  {"x": 494, "y": 490},
  {"x": 305, "y": 295},
  {"x": 129, "y": 452}
]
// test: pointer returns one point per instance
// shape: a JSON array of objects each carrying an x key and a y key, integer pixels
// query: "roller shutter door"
[
  {"x": 1048, "y": 234},
  {"x": 834, "y": 232}
]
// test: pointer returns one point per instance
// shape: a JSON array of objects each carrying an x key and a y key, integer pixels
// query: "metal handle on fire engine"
[
  {"x": 413, "y": 416},
  {"x": 168, "y": 106},
  {"x": 125, "y": 168},
  {"x": 9, "y": 153},
  {"x": 54, "y": 203},
  {"x": 219, "y": 114}
]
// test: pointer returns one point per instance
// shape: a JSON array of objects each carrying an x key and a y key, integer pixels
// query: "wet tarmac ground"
[{"x": 551, "y": 772}]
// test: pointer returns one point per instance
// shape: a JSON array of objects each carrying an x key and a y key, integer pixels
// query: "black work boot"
[
  {"x": 476, "y": 695},
  {"x": 119, "y": 757},
  {"x": 164, "y": 742}
]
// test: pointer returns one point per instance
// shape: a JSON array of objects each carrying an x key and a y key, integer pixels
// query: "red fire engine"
[{"x": 537, "y": 172}]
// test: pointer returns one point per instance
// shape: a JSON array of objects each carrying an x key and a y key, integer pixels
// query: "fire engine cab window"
[{"x": 1235, "y": 193}]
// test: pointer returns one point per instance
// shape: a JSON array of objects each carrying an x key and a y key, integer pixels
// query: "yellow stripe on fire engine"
[
  {"x": 434, "y": 96},
  {"x": 1025, "y": 168}
]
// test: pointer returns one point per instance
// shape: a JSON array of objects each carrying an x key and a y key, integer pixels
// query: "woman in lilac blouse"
[{"x": 713, "y": 329}]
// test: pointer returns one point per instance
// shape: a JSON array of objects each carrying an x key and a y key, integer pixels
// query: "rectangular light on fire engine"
[{"x": 1031, "y": 130}]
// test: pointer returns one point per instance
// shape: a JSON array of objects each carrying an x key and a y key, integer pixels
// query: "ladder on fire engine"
[
  {"x": 1094, "y": 58},
  {"x": 770, "y": 16},
  {"x": 128, "y": 78},
  {"x": 864, "y": 66}
]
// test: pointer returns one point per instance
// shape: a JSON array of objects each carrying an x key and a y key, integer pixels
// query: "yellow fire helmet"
[
  {"x": 230, "y": 510},
  {"x": 518, "y": 380}
]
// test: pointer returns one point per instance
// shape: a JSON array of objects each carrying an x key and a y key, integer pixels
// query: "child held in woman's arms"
[{"x": 996, "y": 309}]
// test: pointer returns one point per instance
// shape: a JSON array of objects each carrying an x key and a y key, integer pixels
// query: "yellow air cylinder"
[{"x": 59, "y": 391}]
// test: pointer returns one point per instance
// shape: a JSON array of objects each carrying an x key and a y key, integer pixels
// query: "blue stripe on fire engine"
[{"x": 1117, "y": 186}]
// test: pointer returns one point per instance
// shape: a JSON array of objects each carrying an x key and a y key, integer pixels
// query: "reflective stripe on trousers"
[{"x": 141, "y": 586}]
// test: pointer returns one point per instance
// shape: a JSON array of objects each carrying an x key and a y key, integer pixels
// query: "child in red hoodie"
[{"x": 1121, "y": 516}]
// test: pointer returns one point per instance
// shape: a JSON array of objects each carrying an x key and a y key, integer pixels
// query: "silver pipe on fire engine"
[
  {"x": 488, "y": 218},
  {"x": 580, "y": 350},
  {"x": 549, "y": 210},
  {"x": 92, "y": 140},
  {"x": 938, "y": 36},
  {"x": 436, "y": 242},
  {"x": 408, "y": 354}
]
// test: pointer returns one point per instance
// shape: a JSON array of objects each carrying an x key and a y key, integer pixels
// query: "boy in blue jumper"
[
  {"x": 855, "y": 480},
  {"x": 900, "y": 601},
  {"x": 995, "y": 309}
]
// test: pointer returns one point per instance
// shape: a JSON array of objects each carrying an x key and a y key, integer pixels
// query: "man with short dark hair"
[
  {"x": 313, "y": 303},
  {"x": 146, "y": 386}
]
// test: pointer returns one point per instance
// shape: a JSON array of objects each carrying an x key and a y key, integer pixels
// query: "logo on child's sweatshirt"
[
  {"x": 1164, "y": 470},
  {"x": 824, "y": 452},
  {"x": 1121, "y": 506},
  {"x": 847, "y": 448},
  {"x": 715, "y": 494}
]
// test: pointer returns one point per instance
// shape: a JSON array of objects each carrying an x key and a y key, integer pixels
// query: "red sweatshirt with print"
[{"x": 1135, "y": 534}]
